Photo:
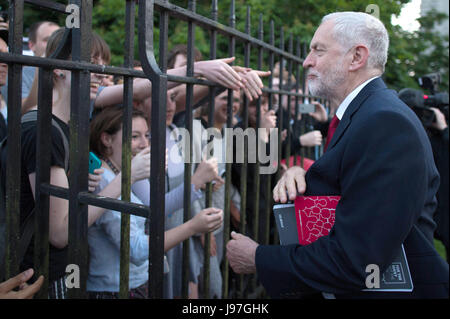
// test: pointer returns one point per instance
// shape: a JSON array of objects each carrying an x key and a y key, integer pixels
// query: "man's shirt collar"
[
  {"x": 4, "y": 109},
  {"x": 343, "y": 106}
]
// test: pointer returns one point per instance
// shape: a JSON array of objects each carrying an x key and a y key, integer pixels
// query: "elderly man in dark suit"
[{"x": 379, "y": 161}]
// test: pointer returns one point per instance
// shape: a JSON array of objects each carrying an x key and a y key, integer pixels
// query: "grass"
[{"x": 440, "y": 248}]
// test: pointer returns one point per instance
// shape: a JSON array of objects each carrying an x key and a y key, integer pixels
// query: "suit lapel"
[{"x": 354, "y": 106}]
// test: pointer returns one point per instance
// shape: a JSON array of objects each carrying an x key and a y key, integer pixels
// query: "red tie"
[{"x": 331, "y": 129}]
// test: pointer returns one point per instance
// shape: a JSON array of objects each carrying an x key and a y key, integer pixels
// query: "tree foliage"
[{"x": 411, "y": 54}]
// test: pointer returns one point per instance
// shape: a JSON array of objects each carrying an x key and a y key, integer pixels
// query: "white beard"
[{"x": 326, "y": 85}]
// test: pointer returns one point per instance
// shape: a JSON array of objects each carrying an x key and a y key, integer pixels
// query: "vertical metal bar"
[
  {"x": 280, "y": 107},
  {"x": 306, "y": 120},
  {"x": 13, "y": 165},
  {"x": 280, "y": 119},
  {"x": 320, "y": 147},
  {"x": 158, "y": 142},
  {"x": 163, "y": 33},
  {"x": 256, "y": 217},
  {"x": 305, "y": 92},
  {"x": 268, "y": 189},
  {"x": 126, "y": 151},
  {"x": 208, "y": 197},
  {"x": 188, "y": 164},
  {"x": 43, "y": 154},
  {"x": 289, "y": 99},
  {"x": 228, "y": 167},
  {"x": 244, "y": 168},
  {"x": 157, "y": 196},
  {"x": 258, "y": 124},
  {"x": 304, "y": 52},
  {"x": 79, "y": 146},
  {"x": 297, "y": 88}
]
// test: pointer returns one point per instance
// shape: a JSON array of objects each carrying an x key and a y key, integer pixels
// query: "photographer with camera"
[
  {"x": 432, "y": 110},
  {"x": 438, "y": 133}
]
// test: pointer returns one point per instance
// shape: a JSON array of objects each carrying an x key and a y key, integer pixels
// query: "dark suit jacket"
[
  {"x": 381, "y": 164},
  {"x": 3, "y": 128}
]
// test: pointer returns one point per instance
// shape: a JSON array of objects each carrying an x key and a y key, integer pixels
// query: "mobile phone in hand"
[{"x": 94, "y": 162}]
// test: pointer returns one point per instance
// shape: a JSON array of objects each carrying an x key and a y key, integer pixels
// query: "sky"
[{"x": 407, "y": 18}]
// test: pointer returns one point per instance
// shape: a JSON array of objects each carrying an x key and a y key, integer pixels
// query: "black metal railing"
[{"x": 77, "y": 41}]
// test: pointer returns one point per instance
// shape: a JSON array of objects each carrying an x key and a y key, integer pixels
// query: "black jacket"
[{"x": 381, "y": 164}]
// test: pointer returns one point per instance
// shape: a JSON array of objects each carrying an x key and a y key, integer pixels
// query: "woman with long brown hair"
[
  {"x": 104, "y": 235},
  {"x": 59, "y": 208}
]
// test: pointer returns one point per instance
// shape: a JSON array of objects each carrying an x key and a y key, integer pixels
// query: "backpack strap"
[
  {"x": 26, "y": 235},
  {"x": 65, "y": 143}
]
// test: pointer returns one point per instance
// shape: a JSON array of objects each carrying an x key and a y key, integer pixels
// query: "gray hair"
[{"x": 352, "y": 28}]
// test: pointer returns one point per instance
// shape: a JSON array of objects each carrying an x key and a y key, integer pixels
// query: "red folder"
[{"x": 315, "y": 216}]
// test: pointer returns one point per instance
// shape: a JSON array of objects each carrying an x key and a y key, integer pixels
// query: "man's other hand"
[{"x": 241, "y": 252}]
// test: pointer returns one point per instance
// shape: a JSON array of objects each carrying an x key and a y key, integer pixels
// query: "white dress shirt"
[{"x": 349, "y": 98}]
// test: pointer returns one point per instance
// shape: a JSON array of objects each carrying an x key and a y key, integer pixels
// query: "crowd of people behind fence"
[
  {"x": 106, "y": 115},
  {"x": 105, "y": 141}
]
